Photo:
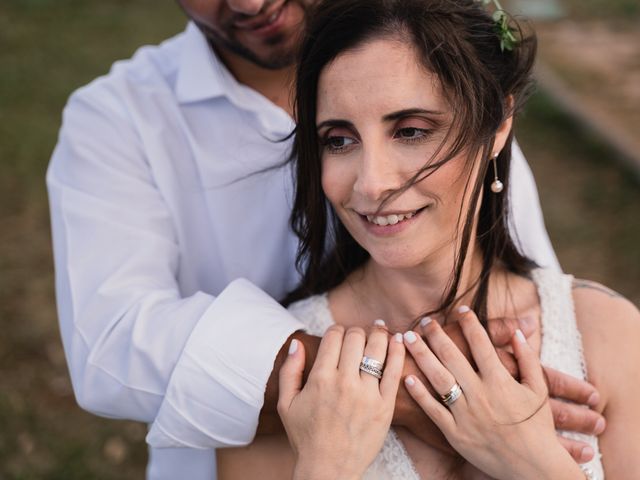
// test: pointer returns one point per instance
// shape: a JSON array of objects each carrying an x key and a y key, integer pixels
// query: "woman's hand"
[
  {"x": 571, "y": 394},
  {"x": 337, "y": 423},
  {"x": 503, "y": 427}
]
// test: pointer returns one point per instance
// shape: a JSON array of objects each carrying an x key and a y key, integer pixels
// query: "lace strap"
[
  {"x": 562, "y": 343},
  {"x": 314, "y": 312},
  {"x": 561, "y": 340}
]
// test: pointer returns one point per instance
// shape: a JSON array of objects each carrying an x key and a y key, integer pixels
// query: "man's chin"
[
  {"x": 276, "y": 60},
  {"x": 275, "y": 54}
]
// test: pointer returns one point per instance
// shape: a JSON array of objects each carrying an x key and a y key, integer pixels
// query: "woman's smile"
[
  {"x": 378, "y": 129},
  {"x": 387, "y": 224}
]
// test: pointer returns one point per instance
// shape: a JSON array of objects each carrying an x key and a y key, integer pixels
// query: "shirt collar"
[
  {"x": 203, "y": 76},
  {"x": 200, "y": 74}
]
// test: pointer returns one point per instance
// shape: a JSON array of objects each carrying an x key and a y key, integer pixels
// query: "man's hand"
[{"x": 574, "y": 416}]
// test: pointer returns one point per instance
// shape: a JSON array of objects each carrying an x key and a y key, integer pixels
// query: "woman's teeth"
[
  {"x": 389, "y": 219},
  {"x": 273, "y": 17}
]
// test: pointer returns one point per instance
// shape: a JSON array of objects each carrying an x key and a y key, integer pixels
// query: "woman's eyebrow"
[
  {"x": 335, "y": 123},
  {"x": 340, "y": 123},
  {"x": 408, "y": 112}
]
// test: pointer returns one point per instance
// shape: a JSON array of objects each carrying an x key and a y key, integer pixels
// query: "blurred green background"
[{"x": 50, "y": 47}]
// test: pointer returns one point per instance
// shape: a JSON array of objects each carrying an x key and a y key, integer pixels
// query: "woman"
[{"x": 405, "y": 111}]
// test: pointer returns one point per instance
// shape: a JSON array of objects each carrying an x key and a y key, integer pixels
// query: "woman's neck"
[{"x": 399, "y": 296}]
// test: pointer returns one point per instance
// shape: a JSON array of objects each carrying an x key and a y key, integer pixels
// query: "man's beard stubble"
[{"x": 282, "y": 55}]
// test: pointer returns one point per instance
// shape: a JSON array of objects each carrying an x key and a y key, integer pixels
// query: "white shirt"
[{"x": 157, "y": 211}]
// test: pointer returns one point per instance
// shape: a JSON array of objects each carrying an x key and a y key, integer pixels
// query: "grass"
[{"x": 51, "y": 47}]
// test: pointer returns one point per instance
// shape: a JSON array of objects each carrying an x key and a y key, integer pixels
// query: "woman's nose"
[
  {"x": 247, "y": 7},
  {"x": 377, "y": 176}
]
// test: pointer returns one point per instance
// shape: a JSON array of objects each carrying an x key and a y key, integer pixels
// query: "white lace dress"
[{"x": 561, "y": 349}]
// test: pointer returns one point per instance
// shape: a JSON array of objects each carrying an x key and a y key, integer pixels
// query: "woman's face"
[{"x": 381, "y": 117}]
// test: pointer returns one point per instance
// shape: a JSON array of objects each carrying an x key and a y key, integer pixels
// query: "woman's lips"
[
  {"x": 391, "y": 223},
  {"x": 392, "y": 219}
]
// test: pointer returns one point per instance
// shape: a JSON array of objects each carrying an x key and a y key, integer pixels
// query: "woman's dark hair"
[{"x": 458, "y": 41}]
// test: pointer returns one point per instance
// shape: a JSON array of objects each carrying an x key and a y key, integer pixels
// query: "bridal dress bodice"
[{"x": 561, "y": 349}]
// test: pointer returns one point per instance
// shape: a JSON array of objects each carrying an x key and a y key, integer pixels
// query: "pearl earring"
[{"x": 497, "y": 186}]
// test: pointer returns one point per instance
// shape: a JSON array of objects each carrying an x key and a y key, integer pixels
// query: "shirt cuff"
[{"x": 216, "y": 390}]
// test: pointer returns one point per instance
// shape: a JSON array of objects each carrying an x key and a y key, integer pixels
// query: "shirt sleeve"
[
  {"x": 196, "y": 367},
  {"x": 526, "y": 219}
]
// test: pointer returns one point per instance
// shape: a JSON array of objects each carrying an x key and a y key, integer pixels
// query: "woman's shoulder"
[
  {"x": 598, "y": 306},
  {"x": 313, "y": 312},
  {"x": 610, "y": 329},
  {"x": 595, "y": 304},
  {"x": 308, "y": 306}
]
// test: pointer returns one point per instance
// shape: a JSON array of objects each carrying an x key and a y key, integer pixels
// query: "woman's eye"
[
  {"x": 411, "y": 133},
  {"x": 337, "y": 143}
]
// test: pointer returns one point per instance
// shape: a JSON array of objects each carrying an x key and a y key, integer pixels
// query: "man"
[{"x": 163, "y": 194}]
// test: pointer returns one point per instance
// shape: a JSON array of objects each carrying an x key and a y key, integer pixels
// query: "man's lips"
[{"x": 262, "y": 20}]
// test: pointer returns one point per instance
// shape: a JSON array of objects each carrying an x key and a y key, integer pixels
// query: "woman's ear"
[{"x": 502, "y": 134}]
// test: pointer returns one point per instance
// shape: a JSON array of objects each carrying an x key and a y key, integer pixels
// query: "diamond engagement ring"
[
  {"x": 452, "y": 395},
  {"x": 372, "y": 367}
]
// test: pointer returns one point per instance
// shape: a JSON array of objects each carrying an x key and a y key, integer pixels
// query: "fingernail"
[
  {"x": 586, "y": 454},
  {"x": 527, "y": 323},
  {"x": 293, "y": 347},
  {"x": 398, "y": 337},
  {"x": 410, "y": 381},
  {"x": 463, "y": 309},
  {"x": 410, "y": 337},
  {"x": 600, "y": 426},
  {"x": 425, "y": 321},
  {"x": 520, "y": 336},
  {"x": 594, "y": 399}
]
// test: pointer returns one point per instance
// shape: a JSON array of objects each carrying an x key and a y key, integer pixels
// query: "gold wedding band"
[{"x": 452, "y": 395}]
